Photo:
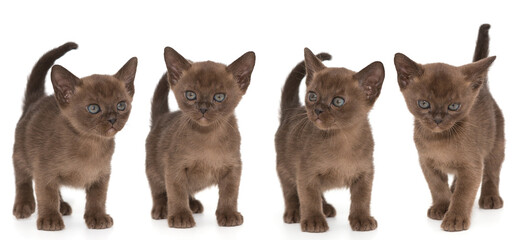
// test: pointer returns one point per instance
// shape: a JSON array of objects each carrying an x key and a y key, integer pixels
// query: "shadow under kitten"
[
  {"x": 68, "y": 139},
  {"x": 198, "y": 146},
  {"x": 459, "y": 129},
  {"x": 328, "y": 142}
]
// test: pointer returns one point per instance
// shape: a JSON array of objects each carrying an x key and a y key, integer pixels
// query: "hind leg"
[
  {"x": 327, "y": 208},
  {"x": 489, "y": 195},
  {"x": 195, "y": 205},
  {"x": 24, "y": 201},
  {"x": 159, "y": 195},
  {"x": 292, "y": 205},
  {"x": 65, "y": 208}
]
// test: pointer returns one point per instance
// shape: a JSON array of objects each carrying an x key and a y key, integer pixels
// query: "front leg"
[
  {"x": 458, "y": 216},
  {"x": 95, "y": 214},
  {"x": 228, "y": 184},
  {"x": 312, "y": 218},
  {"x": 439, "y": 187},
  {"x": 359, "y": 217},
  {"x": 178, "y": 210}
]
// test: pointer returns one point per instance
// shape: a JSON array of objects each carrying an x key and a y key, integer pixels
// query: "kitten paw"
[
  {"x": 455, "y": 222},
  {"x": 438, "y": 211},
  {"x": 491, "y": 202},
  {"x": 159, "y": 212},
  {"x": 196, "y": 206},
  {"x": 65, "y": 209},
  {"x": 329, "y": 210},
  {"x": 314, "y": 224},
  {"x": 229, "y": 219},
  {"x": 181, "y": 220},
  {"x": 23, "y": 209},
  {"x": 50, "y": 222},
  {"x": 98, "y": 221},
  {"x": 362, "y": 223},
  {"x": 292, "y": 216}
]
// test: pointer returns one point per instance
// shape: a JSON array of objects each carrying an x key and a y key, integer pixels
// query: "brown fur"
[
  {"x": 198, "y": 146},
  {"x": 332, "y": 149},
  {"x": 58, "y": 142},
  {"x": 468, "y": 143}
]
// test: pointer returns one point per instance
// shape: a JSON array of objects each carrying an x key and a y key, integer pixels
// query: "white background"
[{"x": 356, "y": 34}]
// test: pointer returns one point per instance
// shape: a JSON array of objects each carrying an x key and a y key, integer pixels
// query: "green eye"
[
  {"x": 93, "y": 108},
  {"x": 312, "y": 96},
  {"x": 338, "y": 101},
  {"x": 454, "y": 106},
  {"x": 121, "y": 106},
  {"x": 423, "y": 104},
  {"x": 190, "y": 95},
  {"x": 219, "y": 97}
]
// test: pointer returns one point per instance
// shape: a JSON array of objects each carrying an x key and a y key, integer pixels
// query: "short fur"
[
  {"x": 320, "y": 146},
  {"x": 198, "y": 146},
  {"x": 468, "y": 142},
  {"x": 58, "y": 142}
]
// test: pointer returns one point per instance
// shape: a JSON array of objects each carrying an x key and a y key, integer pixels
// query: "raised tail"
[
  {"x": 36, "y": 83},
  {"x": 160, "y": 104},
  {"x": 290, "y": 95},
  {"x": 482, "y": 48}
]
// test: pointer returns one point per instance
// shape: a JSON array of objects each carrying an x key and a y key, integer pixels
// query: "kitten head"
[
  {"x": 96, "y": 105},
  {"x": 337, "y": 97},
  {"x": 208, "y": 92},
  {"x": 440, "y": 95}
]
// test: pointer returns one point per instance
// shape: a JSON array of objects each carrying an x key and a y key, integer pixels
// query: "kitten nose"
[
  {"x": 318, "y": 111},
  {"x": 437, "y": 120},
  {"x": 203, "y": 110},
  {"x": 112, "y": 120}
]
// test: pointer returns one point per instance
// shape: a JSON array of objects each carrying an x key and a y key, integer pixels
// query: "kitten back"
[
  {"x": 482, "y": 48},
  {"x": 290, "y": 92},
  {"x": 36, "y": 82},
  {"x": 160, "y": 104}
]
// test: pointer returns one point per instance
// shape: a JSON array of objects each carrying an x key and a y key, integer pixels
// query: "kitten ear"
[
  {"x": 127, "y": 73},
  {"x": 242, "y": 69},
  {"x": 406, "y": 70},
  {"x": 476, "y": 72},
  {"x": 176, "y": 65},
  {"x": 64, "y": 83},
  {"x": 313, "y": 64},
  {"x": 370, "y": 80}
]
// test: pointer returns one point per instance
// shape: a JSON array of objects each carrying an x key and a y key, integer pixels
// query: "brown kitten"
[
  {"x": 459, "y": 129},
  {"x": 68, "y": 139},
  {"x": 198, "y": 146},
  {"x": 328, "y": 143}
]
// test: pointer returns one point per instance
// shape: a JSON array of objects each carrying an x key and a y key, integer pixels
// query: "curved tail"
[
  {"x": 482, "y": 48},
  {"x": 160, "y": 104},
  {"x": 36, "y": 82},
  {"x": 290, "y": 95}
]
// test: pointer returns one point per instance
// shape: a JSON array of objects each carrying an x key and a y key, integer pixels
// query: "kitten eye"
[
  {"x": 93, "y": 108},
  {"x": 338, "y": 101},
  {"x": 454, "y": 106},
  {"x": 219, "y": 97},
  {"x": 190, "y": 95},
  {"x": 121, "y": 106},
  {"x": 312, "y": 96},
  {"x": 423, "y": 104}
]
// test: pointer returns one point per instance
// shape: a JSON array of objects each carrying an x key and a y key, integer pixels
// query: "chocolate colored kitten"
[
  {"x": 68, "y": 139},
  {"x": 198, "y": 146},
  {"x": 328, "y": 143},
  {"x": 459, "y": 129}
]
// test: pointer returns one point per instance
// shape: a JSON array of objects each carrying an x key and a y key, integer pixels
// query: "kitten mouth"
[{"x": 112, "y": 131}]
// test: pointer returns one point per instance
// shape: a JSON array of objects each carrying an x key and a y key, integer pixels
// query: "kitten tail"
[
  {"x": 290, "y": 94},
  {"x": 482, "y": 48},
  {"x": 36, "y": 82},
  {"x": 160, "y": 104}
]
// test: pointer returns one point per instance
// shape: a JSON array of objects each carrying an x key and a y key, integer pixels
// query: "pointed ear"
[
  {"x": 242, "y": 69},
  {"x": 176, "y": 65},
  {"x": 476, "y": 72},
  {"x": 370, "y": 80},
  {"x": 313, "y": 64},
  {"x": 407, "y": 69},
  {"x": 127, "y": 73},
  {"x": 64, "y": 83}
]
